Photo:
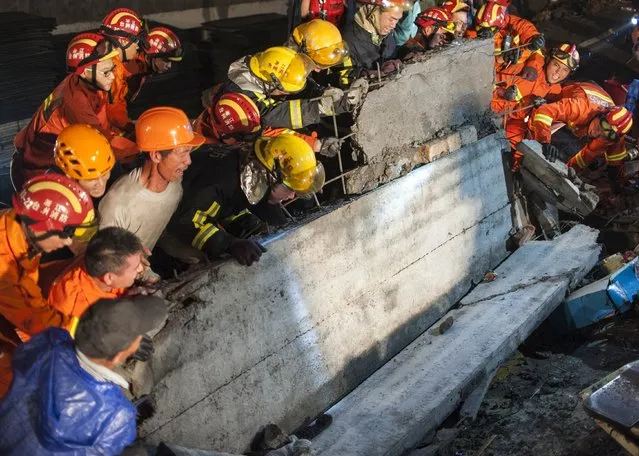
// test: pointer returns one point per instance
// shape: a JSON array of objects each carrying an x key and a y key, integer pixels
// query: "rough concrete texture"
[
  {"x": 329, "y": 303},
  {"x": 370, "y": 176},
  {"x": 411, "y": 395},
  {"x": 448, "y": 88},
  {"x": 551, "y": 182}
]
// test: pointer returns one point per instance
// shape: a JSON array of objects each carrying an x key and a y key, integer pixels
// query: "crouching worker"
[
  {"x": 66, "y": 397},
  {"x": 111, "y": 263},
  {"x": 48, "y": 213},
  {"x": 594, "y": 129},
  {"x": 222, "y": 185}
]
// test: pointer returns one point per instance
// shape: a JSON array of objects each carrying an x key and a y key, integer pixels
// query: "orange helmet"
[
  {"x": 491, "y": 15},
  {"x": 123, "y": 23},
  {"x": 87, "y": 49},
  {"x": 163, "y": 43},
  {"x": 566, "y": 54},
  {"x": 235, "y": 114},
  {"x": 83, "y": 153},
  {"x": 454, "y": 6},
  {"x": 165, "y": 128},
  {"x": 57, "y": 205},
  {"x": 619, "y": 119},
  {"x": 438, "y": 17}
]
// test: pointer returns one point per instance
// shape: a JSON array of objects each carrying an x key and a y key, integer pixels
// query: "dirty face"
[
  {"x": 556, "y": 71},
  {"x": 96, "y": 187},
  {"x": 172, "y": 166},
  {"x": 438, "y": 39},
  {"x": 52, "y": 243},
  {"x": 280, "y": 193},
  {"x": 460, "y": 19},
  {"x": 104, "y": 75},
  {"x": 161, "y": 65},
  {"x": 129, "y": 272},
  {"x": 595, "y": 129},
  {"x": 388, "y": 21}
]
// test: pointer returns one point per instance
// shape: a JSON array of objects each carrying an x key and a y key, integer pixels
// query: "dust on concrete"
[{"x": 533, "y": 405}]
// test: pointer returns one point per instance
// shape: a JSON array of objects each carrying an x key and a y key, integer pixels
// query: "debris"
[
  {"x": 443, "y": 326},
  {"x": 490, "y": 276},
  {"x": 485, "y": 446}
]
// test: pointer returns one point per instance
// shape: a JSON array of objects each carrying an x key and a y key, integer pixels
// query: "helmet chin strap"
[{"x": 93, "y": 83}]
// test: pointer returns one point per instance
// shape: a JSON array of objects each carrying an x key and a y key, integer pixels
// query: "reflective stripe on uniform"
[
  {"x": 232, "y": 218},
  {"x": 295, "y": 110},
  {"x": 617, "y": 157},
  {"x": 543, "y": 118},
  {"x": 203, "y": 235},
  {"x": 600, "y": 98},
  {"x": 580, "y": 160}
]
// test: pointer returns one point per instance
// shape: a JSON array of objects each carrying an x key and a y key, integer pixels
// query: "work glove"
[
  {"x": 296, "y": 447},
  {"x": 537, "y": 42},
  {"x": 330, "y": 147},
  {"x": 538, "y": 101},
  {"x": 511, "y": 93},
  {"x": 485, "y": 33},
  {"x": 391, "y": 66},
  {"x": 356, "y": 92},
  {"x": 512, "y": 56},
  {"x": 529, "y": 74},
  {"x": 246, "y": 251},
  {"x": 550, "y": 151},
  {"x": 334, "y": 93},
  {"x": 145, "y": 350}
]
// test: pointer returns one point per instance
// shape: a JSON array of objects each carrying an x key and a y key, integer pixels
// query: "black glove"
[
  {"x": 246, "y": 251},
  {"x": 512, "y": 56},
  {"x": 538, "y": 101},
  {"x": 485, "y": 33},
  {"x": 145, "y": 350},
  {"x": 529, "y": 74},
  {"x": 511, "y": 93},
  {"x": 550, "y": 151},
  {"x": 537, "y": 42}
]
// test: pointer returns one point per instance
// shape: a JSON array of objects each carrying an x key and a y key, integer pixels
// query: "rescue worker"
[
  {"x": 67, "y": 397},
  {"x": 270, "y": 78},
  {"x": 370, "y": 39},
  {"x": 223, "y": 188},
  {"x": 321, "y": 41},
  {"x": 48, "y": 213},
  {"x": 111, "y": 263},
  {"x": 594, "y": 128},
  {"x": 461, "y": 12},
  {"x": 300, "y": 11},
  {"x": 515, "y": 38},
  {"x": 144, "y": 200},
  {"x": 81, "y": 97},
  {"x": 540, "y": 79},
  {"x": 84, "y": 154},
  {"x": 436, "y": 27},
  {"x": 124, "y": 28},
  {"x": 161, "y": 49}
]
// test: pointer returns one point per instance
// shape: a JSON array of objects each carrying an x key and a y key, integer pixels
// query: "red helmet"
[
  {"x": 619, "y": 119},
  {"x": 235, "y": 113},
  {"x": 122, "y": 23},
  {"x": 438, "y": 17},
  {"x": 454, "y": 6},
  {"x": 162, "y": 42},
  {"x": 566, "y": 54},
  {"x": 492, "y": 15},
  {"x": 87, "y": 49},
  {"x": 55, "y": 204}
]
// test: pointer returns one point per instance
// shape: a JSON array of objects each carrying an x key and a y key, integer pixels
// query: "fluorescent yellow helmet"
[
  {"x": 282, "y": 67},
  {"x": 300, "y": 171},
  {"x": 321, "y": 41}
]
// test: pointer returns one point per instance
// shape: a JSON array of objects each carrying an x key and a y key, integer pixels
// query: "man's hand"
[
  {"x": 330, "y": 147},
  {"x": 511, "y": 93},
  {"x": 538, "y": 101},
  {"x": 391, "y": 66},
  {"x": 529, "y": 74},
  {"x": 550, "y": 151},
  {"x": 246, "y": 251},
  {"x": 356, "y": 92},
  {"x": 537, "y": 42}
]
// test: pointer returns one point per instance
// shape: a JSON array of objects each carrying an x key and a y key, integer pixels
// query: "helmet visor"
[
  {"x": 306, "y": 183},
  {"x": 607, "y": 130},
  {"x": 294, "y": 78},
  {"x": 328, "y": 56},
  {"x": 566, "y": 58}
]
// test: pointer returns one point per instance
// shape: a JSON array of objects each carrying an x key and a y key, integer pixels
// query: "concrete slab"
[
  {"x": 328, "y": 304},
  {"x": 413, "y": 393}
]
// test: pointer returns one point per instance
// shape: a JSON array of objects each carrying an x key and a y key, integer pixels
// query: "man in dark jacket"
[{"x": 65, "y": 397}]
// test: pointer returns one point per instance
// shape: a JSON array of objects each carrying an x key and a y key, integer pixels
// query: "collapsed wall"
[{"x": 332, "y": 300}]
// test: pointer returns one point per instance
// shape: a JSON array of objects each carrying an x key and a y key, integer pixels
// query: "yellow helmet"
[
  {"x": 321, "y": 41},
  {"x": 299, "y": 169},
  {"x": 286, "y": 69},
  {"x": 83, "y": 153}
]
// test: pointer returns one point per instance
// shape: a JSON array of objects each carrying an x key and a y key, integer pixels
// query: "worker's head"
[
  {"x": 389, "y": 19},
  {"x": 436, "y": 25},
  {"x": 459, "y": 10},
  {"x": 114, "y": 257},
  {"x": 110, "y": 330},
  {"x": 54, "y": 210},
  {"x": 84, "y": 154},
  {"x": 124, "y": 29},
  {"x": 612, "y": 125},
  {"x": 321, "y": 41},
  {"x": 291, "y": 164},
  {"x": 563, "y": 60},
  {"x": 167, "y": 136},
  {"x": 162, "y": 47},
  {"x": 282, "y": 69},
  {"x": 235, "y": 118},
  {"x": 90, "y": 55},
  {"x": 491, "y": 18}
]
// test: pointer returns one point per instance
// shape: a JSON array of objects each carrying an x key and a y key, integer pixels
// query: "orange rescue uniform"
[
  {"x": 22, "y": 306},
  {"x": 521, "y": 31},
  {"x": 75, "y": 291},
  {"x": 578, "y": 104},
  {"x": 120, "y": 94}
]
